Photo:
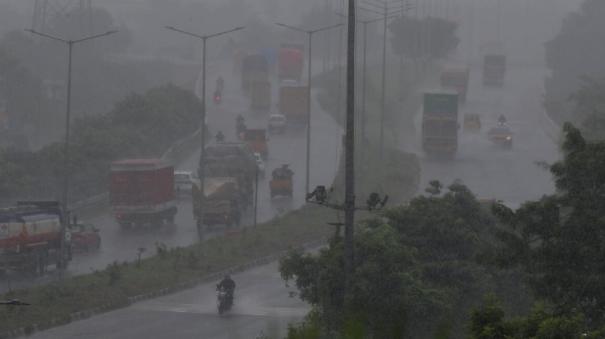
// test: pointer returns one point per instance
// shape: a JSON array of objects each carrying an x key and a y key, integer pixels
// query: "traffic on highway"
[{"x": 164, "y": 188}]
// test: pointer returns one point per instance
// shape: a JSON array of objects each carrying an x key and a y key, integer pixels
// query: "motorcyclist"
[
  {"x": 220, "y": 84},
  {"x": 501, "y": 120},
  {"x": 240, "y": 125},
  {"x": 227, "y": 285},
  {"x": 220, "y": 137}
]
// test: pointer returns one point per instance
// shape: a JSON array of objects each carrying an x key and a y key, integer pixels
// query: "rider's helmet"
[{"x": 227, "y": 277}]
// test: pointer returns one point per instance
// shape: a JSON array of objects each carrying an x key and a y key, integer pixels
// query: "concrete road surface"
[
  {"x": 262, "y": 305},
  {"x": 514, "y": 175},
  {"x": 289, "y": 148}
]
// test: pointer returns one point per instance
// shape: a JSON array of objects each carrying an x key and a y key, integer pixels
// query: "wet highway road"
[
  {"x": 263, "y": 304},
  {"x": 283, "y": 149},
  {"x": 118, "y": 245},
  {"x": 512, "y": 176}
]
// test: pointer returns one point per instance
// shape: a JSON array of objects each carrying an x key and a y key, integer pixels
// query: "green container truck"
[{"x": 440, "y": 123}]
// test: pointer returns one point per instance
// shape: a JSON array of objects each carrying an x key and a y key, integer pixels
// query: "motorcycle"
[
  {"x": 240, "y": 129},
  {"x": 224, "y": 301},
  {"x": 218, "y": 98}
]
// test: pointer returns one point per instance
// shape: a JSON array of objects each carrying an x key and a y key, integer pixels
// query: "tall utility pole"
[
  {"x": 364, "y": 77},
  {"x": 385, "y": 9},
  {"x": 201, "y": 171},
  {"x": 66, "y": 172},
  {"x": 350, "y": 152},
  {"x": 309, "y": 76}
]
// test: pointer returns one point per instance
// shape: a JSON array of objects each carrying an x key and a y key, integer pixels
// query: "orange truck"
[
  {"x": 281, "y": 182},
  {"x": 293, "y": 103},
  {"x": 257, "y": 141},
  {"x": 291, "y": 60}
]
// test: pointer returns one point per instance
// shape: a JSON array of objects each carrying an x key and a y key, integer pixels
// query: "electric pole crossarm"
[
  {"x": 52, "y": 37},
  {"x": 94, "y": 36},
  {"x": 47, "y": 35}
]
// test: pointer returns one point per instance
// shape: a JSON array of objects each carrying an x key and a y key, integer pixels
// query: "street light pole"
[
  {"x": 384, "y": 85},
  {"x": 309, "y": 76},
  {"x": 386, "y": 12},
  {"x": 66, "y": 156},
  {"x": 202, "y": 170},
  {"x": 308, "y": 154},
  {"x": 256, "y": 197}
]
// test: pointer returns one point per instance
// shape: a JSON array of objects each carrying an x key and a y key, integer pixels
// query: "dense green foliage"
[
  {"x": 427, "y": 37},
  {"x": 416, "y": 272},
  {"x": 138, "y": 126},
  {"x": 489, "y": 322},
  {"x": 574, "y": 53},
  {"x": 589, "y": 108},
  {"x": 558, "y": 239}
]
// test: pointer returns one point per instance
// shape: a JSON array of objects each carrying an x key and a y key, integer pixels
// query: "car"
[
  {"x": 183, "y": 181},
  {"x": 277, "y": 123},
  {"x": 260, "y": 164},
  {"x": 84, "y": 237}
]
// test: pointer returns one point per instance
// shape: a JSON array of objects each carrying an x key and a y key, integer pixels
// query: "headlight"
[{"x": 509, "y": 138}]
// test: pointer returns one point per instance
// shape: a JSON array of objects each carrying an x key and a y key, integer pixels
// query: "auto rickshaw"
[
  {"x": 281, "y": 183},
  {"x": 472, "y": 123},
  {"x": 257, "y": 141}
]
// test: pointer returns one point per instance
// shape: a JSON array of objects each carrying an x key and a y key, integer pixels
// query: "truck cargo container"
[
  {"x": 260, "y": 96},
  {"x": 31, "y": 236},
  {"x": 291, "y": 60},
  {"x": 232, "y": 160},
  {"x": 293, "y": 103},
  {"x": 142, "y": 192},
  {"x": 255, "y": 68},
  {"x": 221, "y": 204},
  {"x": 440, "y": 123}
]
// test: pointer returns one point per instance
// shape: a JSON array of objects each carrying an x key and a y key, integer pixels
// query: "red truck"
[
  {"x": 293, "y": 103},
  {"x": 142, "y": 192},
  {"x": 31, "y": 237},
  {"x": 291, "y": 62}
]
